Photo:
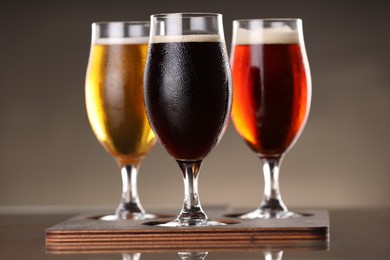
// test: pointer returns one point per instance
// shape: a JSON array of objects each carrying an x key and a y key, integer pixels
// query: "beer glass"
[
  {"x": 115, "y": 104},
  {"x": 188, "y": 96},
  {"x": 272, "y": 92}
]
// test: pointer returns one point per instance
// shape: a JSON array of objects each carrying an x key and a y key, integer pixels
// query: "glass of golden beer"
[
  {"x": 272, "y": 93},
  {"x": 115, "y": 103}
]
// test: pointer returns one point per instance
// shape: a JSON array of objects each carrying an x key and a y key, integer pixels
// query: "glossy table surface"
[{"x": 354, "y": 234}]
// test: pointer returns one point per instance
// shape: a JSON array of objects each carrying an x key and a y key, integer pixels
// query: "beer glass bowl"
[
  {"x": 272, "y": 93},
  {"x": 115, "y": 104},
  {"x": 188, "y": 96}
]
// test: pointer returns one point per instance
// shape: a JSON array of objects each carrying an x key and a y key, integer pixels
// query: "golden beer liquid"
[{"x": 115, "y": 103}]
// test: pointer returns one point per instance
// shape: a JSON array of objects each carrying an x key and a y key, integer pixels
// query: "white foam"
[
  {"x": 186, "y": 38},
  {"x": 133, "y": 40},
  {"x": 279, "y": 35}
]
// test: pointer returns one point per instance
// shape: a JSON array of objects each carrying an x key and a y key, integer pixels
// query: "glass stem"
[
  {"x": 272, "y": 202},
  {"x": 192, "y": 211},
  {"x": 130, "y": 203}
]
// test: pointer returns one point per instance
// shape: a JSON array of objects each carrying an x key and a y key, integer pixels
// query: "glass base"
[
  {"x": 129, "y": 216},
  {"x": 192, "y": 255},
  {"x": 192, "y": 223},
  {"x": 131, "y": 256},
  {"x": 267, "y": 214}
]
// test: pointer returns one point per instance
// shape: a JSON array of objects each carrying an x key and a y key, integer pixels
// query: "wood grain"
[{"x": 88, "y": 234}]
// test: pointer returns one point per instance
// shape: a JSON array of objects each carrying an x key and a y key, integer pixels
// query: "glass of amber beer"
[
  {"x": 272, "y": 92},
  {"x": 188, "y": 96},
  {"x": 115, "y": 103}
]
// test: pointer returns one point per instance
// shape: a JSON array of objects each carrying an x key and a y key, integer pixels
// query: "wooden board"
[{"x": 88, "y": 234}]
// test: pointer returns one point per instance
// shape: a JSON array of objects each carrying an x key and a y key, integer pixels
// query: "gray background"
[{"x": 49, "y": 155}]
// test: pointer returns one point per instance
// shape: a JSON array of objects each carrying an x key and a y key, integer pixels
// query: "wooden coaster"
[{"x": 89, "y": 234}]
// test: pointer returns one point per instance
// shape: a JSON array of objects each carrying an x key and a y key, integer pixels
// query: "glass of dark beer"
[
  {"x": 272, "y": 93},
  {"x": 188, "y": 96},
  {"x": 115, "y": 104}
]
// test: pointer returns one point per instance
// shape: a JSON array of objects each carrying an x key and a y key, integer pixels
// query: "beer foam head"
[
  {"x": 185, "y": 38},
  {"x": 132, "y": 40},
  {"x": 276, "y": 35}
]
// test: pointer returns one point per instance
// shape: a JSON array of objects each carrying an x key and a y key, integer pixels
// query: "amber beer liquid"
[
  {"x": 114, "y": 98},
  {"x": 271, "y": 91}
]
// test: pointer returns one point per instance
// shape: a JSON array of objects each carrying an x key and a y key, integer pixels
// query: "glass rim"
[
  {"x": 268, "y": 20},
  {"x": 121, "y": 22},
  {"x": 186, "y": 15}
]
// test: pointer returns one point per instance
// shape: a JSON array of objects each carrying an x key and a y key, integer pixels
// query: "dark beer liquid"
[
  {"x": 270, "y": 103},
  {"x": 188, "y": 96}
]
